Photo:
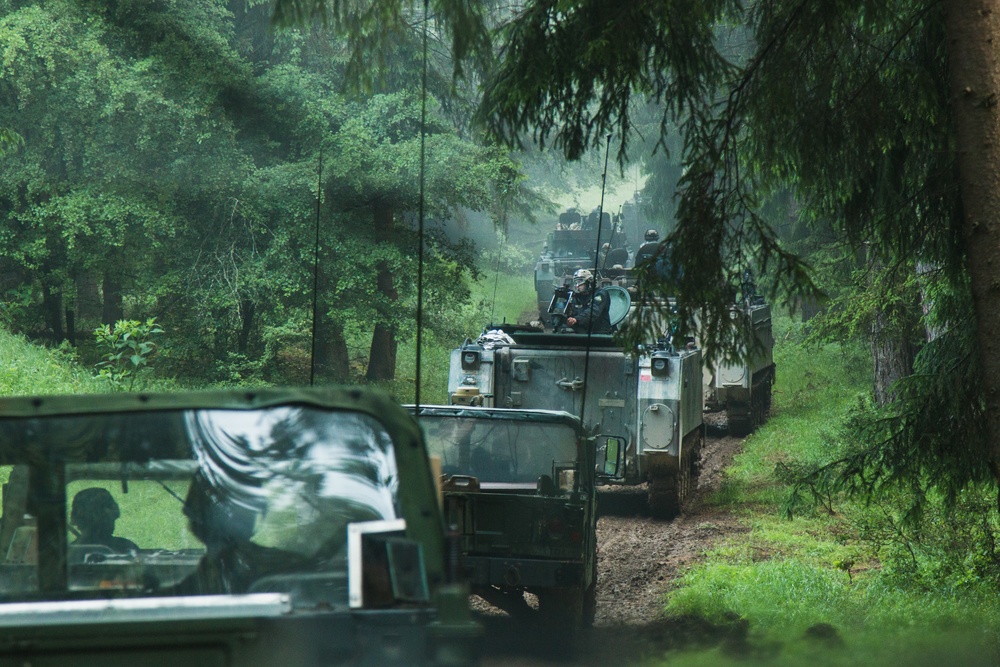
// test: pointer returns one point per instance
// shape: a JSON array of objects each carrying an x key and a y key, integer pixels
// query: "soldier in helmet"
[
  {"x": 590, "y": 306},
  {"x": 94, "y": 513},
  {"x": 647, "y": 249},
  {"x": 232, "y": 562}
]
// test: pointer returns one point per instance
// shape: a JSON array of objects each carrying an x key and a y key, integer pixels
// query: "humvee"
[
  {"x": 273, "y": 527},
  {"x": 519, "y": 489}
]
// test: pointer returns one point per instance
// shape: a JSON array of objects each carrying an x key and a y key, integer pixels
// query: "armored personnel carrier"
[
  {"x": 742, "y": 386},
  {"x": 291, "y": 527},
  {"x": 574, "y": 245},
  {"x": 649, "y": 402},
  {"x": 519, "y": 487}
]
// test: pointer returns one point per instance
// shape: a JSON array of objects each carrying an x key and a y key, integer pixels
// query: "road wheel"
[
  {"x": 739, "y": 425},
  {"x": 664, "y": 496}
]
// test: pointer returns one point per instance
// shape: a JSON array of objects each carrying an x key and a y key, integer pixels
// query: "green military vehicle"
[
  {"x": 275, "y": 527},
  {"x": 519, "y": 487}
]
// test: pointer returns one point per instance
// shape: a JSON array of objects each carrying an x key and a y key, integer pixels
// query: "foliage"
[
  {"x": 129, "y": 348},
  {"x": 29, "y": 369},
  {"x": 894, "y": 591},
  {"x": 170, "y": 162}
]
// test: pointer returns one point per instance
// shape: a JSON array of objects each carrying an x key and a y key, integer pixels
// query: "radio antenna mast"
[
  {"x": 315, "y": 307},
  {"x": 597, "y": 254},
  {"x": 420, "y": 216}
]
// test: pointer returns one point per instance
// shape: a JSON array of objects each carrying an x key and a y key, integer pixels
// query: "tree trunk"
[
  {"x": 332, "y": 357},
  {"x": 247, "y": 311},
  {"x": 892, "y": 358},
  {"x": 114, "y": 307},
  {"x": 973, "y": 31},
  {"x": 382, "y": 357},
  {"x": 52, "y": 311},
  {"x": 88, "y": 298},
  {"x": 891, "y": 350}
]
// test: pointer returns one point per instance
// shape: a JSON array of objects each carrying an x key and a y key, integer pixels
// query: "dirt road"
[{"x": 638, "y": 561}]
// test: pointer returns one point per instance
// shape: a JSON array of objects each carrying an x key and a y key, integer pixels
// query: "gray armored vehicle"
[
  {"x": 519, "y": 487},
  {"x": 279, "y": 527},
  {"x": 742, "y": 386},
  {"x": 574, "y": 245},
  {"x": 650, "y": 402}
]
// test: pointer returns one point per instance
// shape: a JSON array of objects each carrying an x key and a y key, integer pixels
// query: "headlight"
[
  {"x": 659, "y": 364},
  {"x": 471, "y": 359}
]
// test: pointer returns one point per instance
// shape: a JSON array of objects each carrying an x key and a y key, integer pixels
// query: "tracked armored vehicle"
[
  {"x": 574, "y": 245},
  {"x": 291, "y": 527},
  {"x": 649, "y": 402},
  {"x": 519, "y": 487},
  {"x": 742, "y": 387}
]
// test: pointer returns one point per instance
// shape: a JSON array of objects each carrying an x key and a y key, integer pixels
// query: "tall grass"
[
  {"x": 28, "y": 369},
  {"x": 786, "y": 578}
]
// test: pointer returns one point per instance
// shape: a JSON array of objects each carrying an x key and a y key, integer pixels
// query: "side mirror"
[
  {"x": 384, "y": 567},
  {"x": 611, "y": 456}
]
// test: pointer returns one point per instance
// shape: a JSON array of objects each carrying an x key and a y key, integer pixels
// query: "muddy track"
[{"x": 638, "y": 561}]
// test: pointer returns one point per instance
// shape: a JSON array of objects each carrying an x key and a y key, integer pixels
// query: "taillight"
[{"x": 555, "y": 526}]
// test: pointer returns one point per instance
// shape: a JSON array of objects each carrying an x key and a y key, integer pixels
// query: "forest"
[{"x": 210, "y": 193}]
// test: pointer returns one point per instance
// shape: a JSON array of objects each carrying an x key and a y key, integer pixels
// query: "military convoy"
[
  {"x": 292, "y": 527},
  {"x": 519, "y": 489},
  {"x": 740, "y": 385}
]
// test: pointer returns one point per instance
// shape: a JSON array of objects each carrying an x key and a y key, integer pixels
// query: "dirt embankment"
[{"x": 638, "y": 560}]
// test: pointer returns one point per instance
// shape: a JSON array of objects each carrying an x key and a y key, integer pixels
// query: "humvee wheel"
[{"x": 561, "y": 607}]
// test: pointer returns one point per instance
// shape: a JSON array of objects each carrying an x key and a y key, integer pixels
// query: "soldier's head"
[
  {"x": 216, "y": 518},
  {"x": 583, "y": 280},
  {"x": 652, "y": 235},
  {"x": 94, "y": 512}
]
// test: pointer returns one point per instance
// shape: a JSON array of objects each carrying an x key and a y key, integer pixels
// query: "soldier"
[
  {"x": 647, "y": 249},
  {"x": 590, "y": 306},
  {"x": 94, "y": 513},
  {"x": 232, "y": 563}
]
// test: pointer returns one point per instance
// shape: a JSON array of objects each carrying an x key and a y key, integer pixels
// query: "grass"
[
  {"x": 26, "y": 368},
  {"x": 783, "y": 577}
]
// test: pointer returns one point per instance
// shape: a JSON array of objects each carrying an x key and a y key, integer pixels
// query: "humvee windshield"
[
  {"x": 500, "y": 450},
  {"x": 189, "y": 502}
]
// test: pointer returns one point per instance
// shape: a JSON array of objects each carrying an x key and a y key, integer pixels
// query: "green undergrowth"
[
  {"x": 29, "y": 369},
  {"x": 814, "y": 590},
  {"x": 495, "y": 298}
]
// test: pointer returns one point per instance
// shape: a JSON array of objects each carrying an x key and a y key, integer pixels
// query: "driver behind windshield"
[
  {"x": 94, "y": 513},
  {"x": 232, "y": 563}
]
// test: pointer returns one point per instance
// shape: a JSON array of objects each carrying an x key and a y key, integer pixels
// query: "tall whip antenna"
[
  {"x": 315, "y": 307},
  {"x": 597, "y": 254},
  {"x": 420, "y": 216}
]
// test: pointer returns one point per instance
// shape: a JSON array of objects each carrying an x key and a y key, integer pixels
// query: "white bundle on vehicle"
[{"x": 494, "y": 338}]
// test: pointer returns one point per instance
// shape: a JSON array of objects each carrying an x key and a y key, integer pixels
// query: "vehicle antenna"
[
  {"x": 590, "y": 323},
  {"x": 420, "y": 215},
  {"x": 600, "y": 211},
  {"x": 315, "y": 307},
  {"x": 496, "y": 278}
]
